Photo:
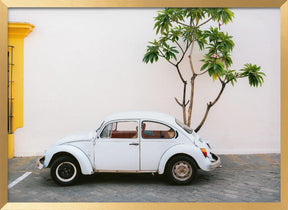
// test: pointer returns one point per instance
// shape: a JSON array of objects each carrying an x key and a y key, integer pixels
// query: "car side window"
[
  {"x": 156, "y": 130},
  {"x": 120, "y": 130}
]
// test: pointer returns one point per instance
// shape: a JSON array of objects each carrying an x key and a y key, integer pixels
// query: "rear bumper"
[{"x": 216, "y": 163}]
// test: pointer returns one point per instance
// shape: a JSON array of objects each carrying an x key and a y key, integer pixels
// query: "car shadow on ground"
[
  {"x": 121, "y": 178},
  {"x": 130, "y": 178}
]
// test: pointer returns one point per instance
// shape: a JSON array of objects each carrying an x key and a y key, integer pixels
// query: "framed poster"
[{"x": 12, "y": 4}]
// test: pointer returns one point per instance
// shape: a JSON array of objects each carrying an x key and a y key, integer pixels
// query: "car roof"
[{"x": 147, "y": 115}]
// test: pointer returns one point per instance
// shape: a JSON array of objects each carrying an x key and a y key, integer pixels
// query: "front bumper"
[
  {"x": 40, "y": 162},
  {"x": 216, "y": 163}
]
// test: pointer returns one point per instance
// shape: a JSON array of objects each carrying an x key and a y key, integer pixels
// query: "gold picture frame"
[{"x": 5, "y": 4}]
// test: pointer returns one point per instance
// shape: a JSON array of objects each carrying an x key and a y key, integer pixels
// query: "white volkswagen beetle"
[{"x": 131, "y": 142}]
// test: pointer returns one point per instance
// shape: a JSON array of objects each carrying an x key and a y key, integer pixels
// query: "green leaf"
[
  {"x": 255, "y": 76},
  {"x": 223, "y": 15},
  {"x": 204, "y": 66},
  {"x": 162, "y": 21},
  {"x": 152, "y": 54}
]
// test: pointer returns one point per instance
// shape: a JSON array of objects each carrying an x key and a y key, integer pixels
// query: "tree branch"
[
  {"x": 184, "y": 94},
  {"x": 190, "y": 62},
  {"x": 178, "y": 102},
  {"x": 179, "y": 46},
  {"x": 180, "y": 75},
  {"x": 228, "y": 81},
  {"x": 191, "y": 99},
  {"x": 187, "y": 47},
  {"x": 184, "y": 82},
  {"x": 223, "y": 85},
  {"x": 183, "y": 24},
  {"x": 184, "y": 99},
  {"x": 192, "y": 79},
  {"x": 237, "y": 76},
  {"x": 202, "y": 72},
  {"x": 191, "y": 50},
  {"x": 205, "y": 22},
  {"x": 204, "y": 118},
  {"x": 209, "y": 106},
  {"x": 191, "y": 21},
  {"x": 183, "y": 105},
  {"x": 162, "y": 55},
  {"x": 221, "y": 80}
]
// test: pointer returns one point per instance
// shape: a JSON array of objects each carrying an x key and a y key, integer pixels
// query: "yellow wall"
[{"x": 16, "y": 34}]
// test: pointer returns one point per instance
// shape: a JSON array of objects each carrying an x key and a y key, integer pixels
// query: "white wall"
[{"x": 83, "y": 64}]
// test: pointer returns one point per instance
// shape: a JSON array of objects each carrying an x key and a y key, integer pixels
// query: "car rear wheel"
[
  {"x": 181, "y": 170},
  {"x": 65, "y": 170}
]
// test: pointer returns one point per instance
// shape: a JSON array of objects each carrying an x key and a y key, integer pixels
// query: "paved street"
[{"x": 243, "y": 178}]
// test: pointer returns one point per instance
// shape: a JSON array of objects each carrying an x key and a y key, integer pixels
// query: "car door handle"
[{"x": 134, "y": 143}]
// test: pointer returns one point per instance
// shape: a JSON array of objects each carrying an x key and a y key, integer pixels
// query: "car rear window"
[{"x": 156, "y": 130}]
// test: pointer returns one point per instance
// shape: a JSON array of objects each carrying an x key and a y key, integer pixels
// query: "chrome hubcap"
[
  {"x": 66, "y": 171},
  {"x": 182, "y": 170}
]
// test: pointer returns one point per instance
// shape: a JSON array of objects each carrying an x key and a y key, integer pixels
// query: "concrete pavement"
[{"x": 243, "y": 178}]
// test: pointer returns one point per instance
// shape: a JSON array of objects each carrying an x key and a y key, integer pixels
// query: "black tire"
[
  {"x": 65, "y": 171},
  {"x": 181, "y": 170}
]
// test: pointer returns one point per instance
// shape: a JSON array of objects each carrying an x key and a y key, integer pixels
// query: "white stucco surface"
[{"x": 84, "y": 64}]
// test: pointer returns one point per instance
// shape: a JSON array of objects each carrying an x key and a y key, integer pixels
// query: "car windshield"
[
  {"x": 185, "y": 127},
  {"x": 99, "y": 127}
]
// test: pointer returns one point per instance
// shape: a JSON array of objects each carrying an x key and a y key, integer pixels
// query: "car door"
[
  {"x": 117, "y": 146},
  {"x": 156, "y": 139}
]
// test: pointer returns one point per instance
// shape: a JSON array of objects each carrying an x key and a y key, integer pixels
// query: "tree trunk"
[
  {"x": 204, "y": 118},
  {"x": 191, "y": 99},
  {"x": 192, "y": 80},
  {"x": 209, "y": 105},
  {"x": 184, "y": 114},
  {"x": 183, "y": 103}
]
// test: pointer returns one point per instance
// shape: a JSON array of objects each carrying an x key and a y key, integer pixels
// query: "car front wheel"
[
  {"x": 65, "y": 170},
  {"x": 181, "y": 170}
]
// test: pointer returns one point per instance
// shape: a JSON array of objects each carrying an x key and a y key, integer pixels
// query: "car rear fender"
[
  {"x": 188, "y": 150},
  {"x": 84, "y": 162}
]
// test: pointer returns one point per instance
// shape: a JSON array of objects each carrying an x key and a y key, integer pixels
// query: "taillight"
[{"x": 204, "y": 151}]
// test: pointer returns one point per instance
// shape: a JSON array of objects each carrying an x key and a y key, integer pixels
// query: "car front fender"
[
  {"x": 84, "y": 162},
  {"x": 189, "y": 150}
]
